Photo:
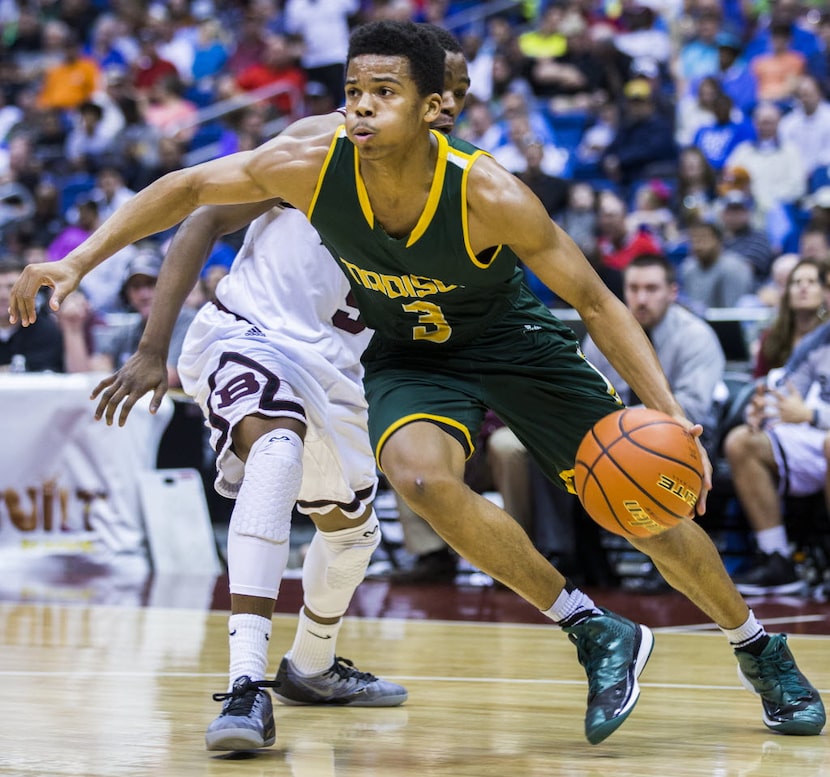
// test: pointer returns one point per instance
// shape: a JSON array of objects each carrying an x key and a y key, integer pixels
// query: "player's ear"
[{"x": 433, "y": 107}]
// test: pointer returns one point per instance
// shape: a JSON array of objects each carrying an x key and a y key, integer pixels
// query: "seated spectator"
[
  {"x": 210, "y": 55},
  {"x": 711, "y": 277},
  {"x": 739, "y": 236},
  {"x": 168, "y": 111},
  {"x": 579, "y": 216},
  {"x": 802, "y": 308},
  {"x": 72, "y": 82},
  {"x": 323, "y": 28},
  {"x": 278, "y": 67},
  {"x": 551, "y": 190},
  {"x": 652, "y": 211},
  {"x": 149, "y": 66},
  {"x": 776, "y": 223},
  {"x": 595, "y": 139},
  {"x": 699, "y": 56},
  {"x": 616, "y": 245},
  {"x": 34, "y": 348},
  {"x": 643, "y": 138},
  {"x": 696, "y": 110},
  {"x": 88, "y": 143},
  {"x": 641, "y": 36},
  {"x": 814, "y": 243},
  {"x": 110, "y": 191},
  {"x": 775, "y": 167},
  {"x": 777, "y": 72},
  {"x": 513, "y": 155},
  {"x": 696, "y": 187},
  {"x": 770, "y": 293},
  {"x": 782, "y": 449},
  {"x": 479, "y": 127},
  {"x": 807, "y": 125},
  {"x": 138, "y": 290},
  {"x": 687, "y": 347},
  {"x": 570, "y": 82},
  {"x": 735, "y": 77},
  {"x": 720, "y": 138}
]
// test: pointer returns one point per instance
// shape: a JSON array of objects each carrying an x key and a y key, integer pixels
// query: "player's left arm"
[{"x": 503, "y": 210}]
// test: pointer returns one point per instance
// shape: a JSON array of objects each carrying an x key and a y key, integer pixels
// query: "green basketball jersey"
[{"x": 425, "y": 287}]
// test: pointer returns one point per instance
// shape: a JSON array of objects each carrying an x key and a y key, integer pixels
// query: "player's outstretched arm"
[
  {"x": 285, "y": 167},
  {"x": 146, "y": 369}
]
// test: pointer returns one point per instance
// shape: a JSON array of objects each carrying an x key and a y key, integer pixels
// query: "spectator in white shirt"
[
  {"x": 775, "y": 166},
  {"x": 807, "y": 126}
]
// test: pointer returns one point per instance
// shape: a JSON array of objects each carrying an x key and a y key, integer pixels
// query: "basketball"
[{"x": 638, "y": 472}]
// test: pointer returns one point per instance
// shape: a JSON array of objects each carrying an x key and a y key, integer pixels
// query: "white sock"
[
  {"x": 773, "y": 540},
  {"x": 314, "y": 644},
  {"x": 248, "y": 637},
  {"x": 571, "y": 607},
  {"x": 747, "y": 633}
]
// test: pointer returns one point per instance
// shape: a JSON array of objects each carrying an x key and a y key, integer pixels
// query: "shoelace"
[
  {"x": 780, "y": 670},
  {"x": 243, "y": 696},
  {"x": 344, "y": 669}
]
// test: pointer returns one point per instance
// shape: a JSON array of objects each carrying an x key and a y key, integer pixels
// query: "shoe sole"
[
  {"x": 803, "y": 728},
  {"x": 384, "y": 701},
  {"x": 605, "y": 730},
  {"x": 236, "y": 739}
]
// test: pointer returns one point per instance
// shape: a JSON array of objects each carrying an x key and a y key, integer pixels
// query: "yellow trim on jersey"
[
  {"x": 434, "y": 191},
  {"x": 439, "y": 419},
  {"x": 340, "y": 133},
  {"x": 464, "y": 225},
  {"x": 362, "y": 194}
]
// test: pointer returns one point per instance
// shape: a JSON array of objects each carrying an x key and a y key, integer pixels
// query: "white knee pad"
[
  {"x": 273, "y": 475},
  {"x": 260, "y": 525},
  {"x": 335, "y": 565}
]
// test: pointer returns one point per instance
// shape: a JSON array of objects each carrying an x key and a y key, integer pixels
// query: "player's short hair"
[
  {"x": 403, "y": 39},
  {"x": 446, "y": 40}
]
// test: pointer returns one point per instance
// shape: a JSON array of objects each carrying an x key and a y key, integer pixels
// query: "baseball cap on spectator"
[
  {"x": 146, "y": 262},
  {"x": 637, "y": 89}
]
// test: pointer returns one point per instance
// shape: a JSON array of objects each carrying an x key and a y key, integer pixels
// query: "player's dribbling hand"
[
  {"x": 696, "y": 430},
  {"x": 143, "y": 372},
  {"x": 56, "y": 275}
]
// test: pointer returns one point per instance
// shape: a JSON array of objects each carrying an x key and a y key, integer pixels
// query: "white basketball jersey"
[{"x": 285, "y": 282}]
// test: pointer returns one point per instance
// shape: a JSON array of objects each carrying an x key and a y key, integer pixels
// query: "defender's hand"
[{"x": 143, "y": 372}]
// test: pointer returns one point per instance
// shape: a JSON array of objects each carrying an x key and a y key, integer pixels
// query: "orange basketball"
[{"x": 638, "y": 472}]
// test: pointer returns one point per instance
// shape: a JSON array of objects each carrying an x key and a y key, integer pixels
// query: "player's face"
[
  {"x": 648, "y": 294},
  {"x": 456, "y": 86},
  {"x": 384, "y": 111}
]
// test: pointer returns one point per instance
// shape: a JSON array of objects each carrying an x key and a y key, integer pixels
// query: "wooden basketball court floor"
[{"x": 102, "y": 686}]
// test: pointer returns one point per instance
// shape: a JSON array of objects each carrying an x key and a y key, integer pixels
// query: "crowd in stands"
[{"x": 696, "y": 131}]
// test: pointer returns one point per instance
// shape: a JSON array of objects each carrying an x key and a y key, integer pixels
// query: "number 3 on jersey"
[{"x": 432, "y": 324}]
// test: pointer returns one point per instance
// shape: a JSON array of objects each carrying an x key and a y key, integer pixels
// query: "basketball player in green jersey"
[{"x": 428, "y": 231}]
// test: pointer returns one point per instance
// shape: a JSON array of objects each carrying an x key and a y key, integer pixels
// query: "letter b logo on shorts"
[{"x": 241, "y": 386}]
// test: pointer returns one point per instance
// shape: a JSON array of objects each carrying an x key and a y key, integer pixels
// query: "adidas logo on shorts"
[{"x": 254, "y": 331}]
